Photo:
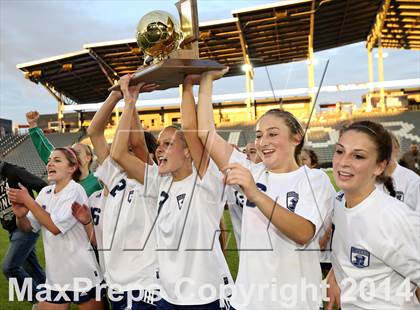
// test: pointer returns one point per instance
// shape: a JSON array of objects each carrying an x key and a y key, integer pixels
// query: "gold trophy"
[{"x": 171, "y": 49}]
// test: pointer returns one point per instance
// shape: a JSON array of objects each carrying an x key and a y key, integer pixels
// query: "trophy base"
[{"x": 171, "y": 72}]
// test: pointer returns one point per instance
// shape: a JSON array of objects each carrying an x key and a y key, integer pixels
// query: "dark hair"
[
  {"x": 151, "y": 144},
  {"x": 73, "y": 159},
  {"x": 293, "y": 124},
  {"x": 383, "y": 142},
  {"x": 312, "y": 156}
]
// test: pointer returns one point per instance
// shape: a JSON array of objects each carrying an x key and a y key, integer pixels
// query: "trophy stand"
[{"x": 171, "y": 72}]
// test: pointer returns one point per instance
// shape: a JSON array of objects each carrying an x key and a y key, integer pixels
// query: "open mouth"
[
  {"x": 267, "y": 152},
  {"x": 162, "y": 160},
  {"x": 344, "y": 175},
  {"x": 51, "y": 172}
]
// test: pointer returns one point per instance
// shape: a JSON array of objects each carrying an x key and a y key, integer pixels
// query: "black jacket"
[{"x": 10, "y": 176}]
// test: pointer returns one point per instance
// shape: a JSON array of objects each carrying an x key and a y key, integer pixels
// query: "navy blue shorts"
[
  {"x": 144, "y": 300},
  {"x": 164, "y": 305},
  {"x": 73, "y": 297}
]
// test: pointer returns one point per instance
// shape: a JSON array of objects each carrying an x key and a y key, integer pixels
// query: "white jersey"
[
  {"x": 96, "y": 204},
  {"x": 235, "y": 201},
  {"x": 407, "y": 187},
  {"x": 376, "y": 246},
  {"x": 187, "y": 230},
  {"x": 270, "y": 264},
  {"x": 69, "y": 254},
  {"x": 128, "y": 242}
]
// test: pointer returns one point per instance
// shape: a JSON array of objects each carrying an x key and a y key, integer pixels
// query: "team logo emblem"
[
  {"x": 49, "y": 191},
  {"x": 340, "y": 196},
  {"x": 130, "y": 196},
  {"x": 292, "y": 199},
  {"x": 180, "y": 199},
  {"x": 240, "y": 199},
  {"x": 359, "y": 258},
  {"x": 399, "y": 195}
]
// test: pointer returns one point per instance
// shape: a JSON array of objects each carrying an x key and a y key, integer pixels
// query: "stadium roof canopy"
[{"x": 278, "y": 33}]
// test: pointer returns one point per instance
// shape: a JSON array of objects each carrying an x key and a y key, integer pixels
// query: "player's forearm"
[
  {"x": 295, "y": 227},
  {"x": 188, "y": 112},
  {"x": 42, "y": 216},
  {"x": 138, "y": 140},
  {"x": 101, "y": 117},
  {"x": 24, "y": 224},
  {"x": 121, "y": 141},
  {"x": 205, "y": 110}
]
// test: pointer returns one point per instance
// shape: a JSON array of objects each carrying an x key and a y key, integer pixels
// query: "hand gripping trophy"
[{"x": 171, "y": 49}]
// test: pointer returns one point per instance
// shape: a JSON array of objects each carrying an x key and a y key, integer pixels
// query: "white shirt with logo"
[
  {"x": 68, "y": 255},
  {"x": 376, "y": 253},
  {"x": 407, "y": 187},
  {"x": 274, "y": 271},
  {"x": 128, "y": 242},
  {"x": 191, "y": 261}
]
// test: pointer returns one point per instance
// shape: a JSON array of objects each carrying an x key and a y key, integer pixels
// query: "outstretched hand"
[
  {"x": 215, "y": 74},
  {"x": 19, "y": 195},
  {"x": 131, "y": 93},
  {"x": 19, "y": 210},
  {"x": 236, "y": 174},
  {"x": 32, "y": 118},
  {"x": 81, "y": 213}
]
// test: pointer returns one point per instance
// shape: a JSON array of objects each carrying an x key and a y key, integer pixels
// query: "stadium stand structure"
[
  {"x": 25, "y": 155},
  {"x": 9, "y": 142},
  {"x": 321, "y": 136}
]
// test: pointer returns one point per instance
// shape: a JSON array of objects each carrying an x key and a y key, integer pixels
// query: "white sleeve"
[
  {"x": 151, "y": 181},
  {"x": 317, "y": 198},
  {"x": 412, "y": 198},
  {"x": 62, "y": 216},
  {"x": 110, "y": 173},
  {"x": 400, "y": 246},
  {"x": 36, "y": 226},
  {"x": 240, "y": 158}
]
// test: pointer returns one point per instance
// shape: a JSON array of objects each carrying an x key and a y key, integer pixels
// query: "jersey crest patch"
[
  {"x": 340, "y": 196},
  {"x": 292, "y": 199},
  {"x": 399, "y": 195},
  {"x": 180, "y": 199},
  {"x": 359, "y": 258}
]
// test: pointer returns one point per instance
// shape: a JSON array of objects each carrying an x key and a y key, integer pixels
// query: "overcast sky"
[{"x": 32, "y": 30}]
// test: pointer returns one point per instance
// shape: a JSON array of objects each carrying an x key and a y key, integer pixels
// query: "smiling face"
[
  {"x": 171, "y": 152},
  {"x": 355, "y": 163},
  {"x": 274, "y": 143},
  {"x": 59, "y": 167}
]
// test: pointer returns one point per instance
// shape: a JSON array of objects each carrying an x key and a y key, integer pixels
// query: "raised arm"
[
  {"x": 219, "y": 150},
  {"x": 42, "y": 145},
  {"x": 138, "y": 141},
  {"x": 96, "y": 130},
  {"x": 189, "y": 126},
  {"x": 119, "y": 150}
]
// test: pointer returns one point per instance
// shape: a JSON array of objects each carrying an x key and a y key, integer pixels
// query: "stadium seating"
[
  {"x": 9, "y": 142},
  {"x": 322, "y": 136}
]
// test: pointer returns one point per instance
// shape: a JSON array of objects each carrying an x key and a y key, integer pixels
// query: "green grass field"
[{"x": 5, "y": 304}]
